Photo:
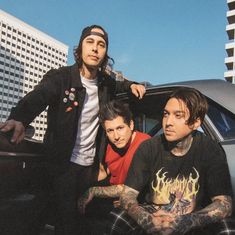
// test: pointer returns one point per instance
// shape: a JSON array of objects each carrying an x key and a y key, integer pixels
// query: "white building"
[
  {"x": 230, "y": 46},
  {"x": 26, "y": 54}
]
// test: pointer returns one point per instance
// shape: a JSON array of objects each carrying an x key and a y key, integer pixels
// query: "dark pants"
[
  {"x": 121, "y": 223},
  {"x": 97, "y": 215},
  {"x": 67, "y": 188}
]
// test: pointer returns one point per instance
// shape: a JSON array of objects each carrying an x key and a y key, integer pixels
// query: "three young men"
[
  {"x": 186, "y": 173},
  {"x": 73, "y": 95}
]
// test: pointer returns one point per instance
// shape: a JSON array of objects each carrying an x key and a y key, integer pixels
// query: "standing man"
[
  {"x": 73, "y": 95},
  {"x": 186, "y": 172}
]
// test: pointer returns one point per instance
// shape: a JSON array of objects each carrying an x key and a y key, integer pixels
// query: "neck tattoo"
[{"x": 181, "y": 147}]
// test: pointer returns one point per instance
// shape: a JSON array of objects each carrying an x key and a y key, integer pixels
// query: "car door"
[
  {"x": 220, "y": 125},
  {"x": 22, "y": 187}
]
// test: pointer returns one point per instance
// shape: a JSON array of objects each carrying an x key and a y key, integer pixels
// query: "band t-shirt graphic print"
[{"x": 175, "y": 195}]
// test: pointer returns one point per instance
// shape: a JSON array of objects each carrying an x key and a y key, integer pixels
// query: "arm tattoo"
[
  {"x": 220, "y": 208},
  {"x": 129, "y": 202},
  {"x": 107, "y": 191},
  {"x": 143, "y": 218},
  {"x": 128, "y": 198}
]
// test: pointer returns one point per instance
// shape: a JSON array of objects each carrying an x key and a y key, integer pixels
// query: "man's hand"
[
  {"x": 84, "y": 200},
  {"x": 138, "y": 90},
  {"x": 163, "y": 222},
  {"x": 17, "y": 128}
]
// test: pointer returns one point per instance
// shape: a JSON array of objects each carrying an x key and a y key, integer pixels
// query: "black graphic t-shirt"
[{"x": 180, "y": 184}]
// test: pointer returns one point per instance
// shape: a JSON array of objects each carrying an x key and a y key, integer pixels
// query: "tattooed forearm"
[
  {"x": 143, "y": 218},
  {"x": 220, "y": 208},
  {"x": 129, "y": 202},
  {"x": 103, "y": 192},
  {"x": 128, "y": 198},
  {"x": 107, "y": 191}
]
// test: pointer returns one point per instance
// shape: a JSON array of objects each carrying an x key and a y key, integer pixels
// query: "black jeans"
[
  {"x": 120, "y": 223},
  {"x": 67, "y": 188}
]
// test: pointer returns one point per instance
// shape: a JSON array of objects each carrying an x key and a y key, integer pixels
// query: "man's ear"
[
  {"x": 132, "y": 125},
  {"x": 196, "y": 124}
]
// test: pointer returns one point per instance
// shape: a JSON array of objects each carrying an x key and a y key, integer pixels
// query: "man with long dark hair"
[{"x": 73, "y": 95}]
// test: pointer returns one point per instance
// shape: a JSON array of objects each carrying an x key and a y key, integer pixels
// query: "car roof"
[{"x": 220, "y": 91}]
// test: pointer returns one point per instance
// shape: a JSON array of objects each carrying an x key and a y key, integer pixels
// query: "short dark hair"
[
  {"x": 194, "y": 100},
  {"x": 113, "y": 109},
  {"x": 77, "y": 52}
]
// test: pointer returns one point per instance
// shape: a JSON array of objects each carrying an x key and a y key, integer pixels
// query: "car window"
[
  {"x": 148, "y": 113},
  {"x": 150, "y": 125},
  {"x": 223, "y": 120}
]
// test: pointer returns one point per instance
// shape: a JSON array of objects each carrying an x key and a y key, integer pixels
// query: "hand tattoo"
[{"x": 220, "y": 208}]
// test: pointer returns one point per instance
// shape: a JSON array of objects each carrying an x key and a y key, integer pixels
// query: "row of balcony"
[{"x": 230, "y": 47}]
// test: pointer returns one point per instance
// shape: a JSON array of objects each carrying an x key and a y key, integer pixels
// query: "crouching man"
[
  {"x": 186, "y": 173},
  {"x": 117, "y": 121}
]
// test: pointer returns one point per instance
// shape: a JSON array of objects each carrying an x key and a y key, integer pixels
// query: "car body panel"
[{"x": 210, "y": 88}]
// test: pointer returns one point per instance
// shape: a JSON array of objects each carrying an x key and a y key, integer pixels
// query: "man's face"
[
  {"x": 118, "y": 132},
  {"x": 174, "y": 120},
  {"x": 93, "y": 49}
]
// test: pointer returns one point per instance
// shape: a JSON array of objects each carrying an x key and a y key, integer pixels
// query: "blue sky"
[{"x": 159, "y": 41}]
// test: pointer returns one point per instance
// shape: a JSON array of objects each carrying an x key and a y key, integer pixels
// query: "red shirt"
[{"x": 118, "y": 165}]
